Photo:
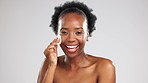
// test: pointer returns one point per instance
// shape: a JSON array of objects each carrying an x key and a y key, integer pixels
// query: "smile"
[{"x": 71, "y": 47}]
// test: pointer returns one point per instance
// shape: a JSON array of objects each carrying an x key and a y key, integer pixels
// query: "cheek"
[
  {"x": 80, "y": 39},
  {"x": 63, "y": 39},
  {"x": 83, "y": 38}
]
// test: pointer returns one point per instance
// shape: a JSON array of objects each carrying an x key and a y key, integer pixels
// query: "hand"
[{"x": 51, "y": 52}]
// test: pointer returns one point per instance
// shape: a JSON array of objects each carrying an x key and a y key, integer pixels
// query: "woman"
[{"x": 74, "y": 22}]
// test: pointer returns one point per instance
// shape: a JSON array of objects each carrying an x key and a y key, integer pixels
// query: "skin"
[{"x": 77, "y": 66}]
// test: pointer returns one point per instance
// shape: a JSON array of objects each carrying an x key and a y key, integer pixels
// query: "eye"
[
  {"x": 64, "y": 32},
  {"x": 79, "y": 33}
]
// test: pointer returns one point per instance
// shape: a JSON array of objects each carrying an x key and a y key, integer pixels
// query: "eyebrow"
[{"x": 74, "y": 28}]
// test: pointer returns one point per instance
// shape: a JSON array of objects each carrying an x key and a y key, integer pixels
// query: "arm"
[
  {"x": 49, "y": 75},
  {"x": 42, "y": 71},
  {"x": 46, "y": 74},
  {"x": 107, "y": 73}
]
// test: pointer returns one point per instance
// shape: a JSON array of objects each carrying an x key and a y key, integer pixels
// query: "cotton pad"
[
  {"x": 113, "y": 64},
  {"x": 59, "y": 37},
  {"x": 59, "y": 28}
]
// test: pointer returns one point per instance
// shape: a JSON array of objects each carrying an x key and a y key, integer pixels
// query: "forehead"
[
  {"x": 72, "y": 16},
  {"x": 71, "y": 19}
]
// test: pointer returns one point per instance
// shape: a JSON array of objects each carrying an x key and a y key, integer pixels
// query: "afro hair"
[{"x": 91, "y": 18}]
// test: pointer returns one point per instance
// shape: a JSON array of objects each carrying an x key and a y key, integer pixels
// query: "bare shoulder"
[
  {"x": 100, "y": 61},
  {"x": 103, "y": 64},
  {"x": 105, "y": 70}
]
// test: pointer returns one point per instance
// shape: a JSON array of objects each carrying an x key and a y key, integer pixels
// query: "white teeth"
[{"x": 71, "y": 47}]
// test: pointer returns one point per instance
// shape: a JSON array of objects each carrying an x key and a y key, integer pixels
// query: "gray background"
[{"x": 121, "y": 35}]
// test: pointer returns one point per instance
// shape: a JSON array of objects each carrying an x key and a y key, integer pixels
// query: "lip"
[
  {"x": 71, "y": 46},
  {"x": 70, "y": 49}
]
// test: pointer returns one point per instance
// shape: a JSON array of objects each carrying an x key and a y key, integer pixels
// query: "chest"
[{"x": 82, "y": 75}]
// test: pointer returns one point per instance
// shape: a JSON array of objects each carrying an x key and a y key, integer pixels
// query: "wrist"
[{"x": 52, "y": 65}]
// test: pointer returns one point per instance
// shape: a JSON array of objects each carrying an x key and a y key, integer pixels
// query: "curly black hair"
[{"x": 91, "y": 18}]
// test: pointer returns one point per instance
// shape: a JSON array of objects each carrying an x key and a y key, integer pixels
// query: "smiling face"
[{"x": 72, "y": 30}]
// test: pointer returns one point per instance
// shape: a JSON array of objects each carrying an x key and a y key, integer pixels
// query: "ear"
[{"x": 87, "y": 36}]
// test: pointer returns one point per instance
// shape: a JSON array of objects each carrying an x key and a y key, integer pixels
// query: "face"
[{"x": 71, "y": 29}]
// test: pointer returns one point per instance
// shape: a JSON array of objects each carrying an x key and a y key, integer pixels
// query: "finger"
[
  {"x": 57, "y": 44},
  {"x": 46, "y": 52},
  {"x": 59, "y": 39},
  {"x": 49, "y": 52},
  {"x": 52, "y": 48},
  {"x": 48, "y": 48},
  {"x": 55, "y": 41}
]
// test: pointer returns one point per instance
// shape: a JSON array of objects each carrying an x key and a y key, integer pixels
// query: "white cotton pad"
[
  {"x": 113, "y": 64},
  {"x": 59, "y": 36},
  {"x": 59, "y": 28}
]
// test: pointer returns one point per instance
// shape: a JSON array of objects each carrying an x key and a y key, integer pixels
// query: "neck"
[{"x": 76, "y": 62}]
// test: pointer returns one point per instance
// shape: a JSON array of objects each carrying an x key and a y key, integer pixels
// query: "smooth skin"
[{"x": 75, "y": 66}]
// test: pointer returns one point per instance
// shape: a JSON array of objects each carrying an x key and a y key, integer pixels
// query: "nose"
[{"x": 71, "y": 38}]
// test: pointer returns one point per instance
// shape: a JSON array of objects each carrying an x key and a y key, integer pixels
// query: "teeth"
[{"x": 71, "y": 47}]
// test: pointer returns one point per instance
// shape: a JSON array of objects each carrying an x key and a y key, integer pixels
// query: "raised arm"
[
  {"x": 42, "y": 71},
  {"x": 46, "y": 74}
]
